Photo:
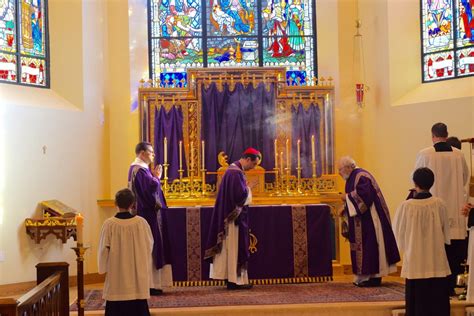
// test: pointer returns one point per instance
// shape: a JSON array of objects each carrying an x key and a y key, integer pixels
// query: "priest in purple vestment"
[
  {"x": 374, "y": 251},
  {"x": 150, "y": 201},
  {"x": 227, "y": 247}
]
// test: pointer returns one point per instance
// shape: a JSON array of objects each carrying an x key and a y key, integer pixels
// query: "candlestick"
[
  {"x": 79, "y": 228},
  {"x": 281, "y": 163},
  {"x": 81, "y": 303},
  {"x": 202, "y": 147},
  {"x": 180, "y": 154},
  {"x": 165, "y": 151},
  {"x": 313, "y": 154},
  {"x": 288, "y": 154},
  {"x": 275, "y": 145},
  {"x": 298, "y": 146}
]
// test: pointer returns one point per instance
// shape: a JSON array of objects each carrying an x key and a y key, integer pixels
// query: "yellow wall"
[
  {"x": 396, "y": 121},
  {"x": 67, "y": 119}
]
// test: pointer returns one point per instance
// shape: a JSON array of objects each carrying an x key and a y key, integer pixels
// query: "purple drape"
[
  {"x": 306, "y": 123},
  {"x": 170, "y": 125},
  {"x": 273, "y": 228},
  {"x": 235, "y": 120}
]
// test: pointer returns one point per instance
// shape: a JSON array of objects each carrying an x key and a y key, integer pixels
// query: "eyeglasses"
[{"x": 150, "y": 151}]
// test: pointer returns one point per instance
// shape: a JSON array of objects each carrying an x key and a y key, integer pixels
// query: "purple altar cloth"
[{"x": 291, "y": 242}]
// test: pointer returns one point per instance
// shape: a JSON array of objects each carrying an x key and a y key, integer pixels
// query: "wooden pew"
[{"x": 50, "y": 297}]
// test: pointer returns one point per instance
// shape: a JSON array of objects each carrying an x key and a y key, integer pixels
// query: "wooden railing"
[{"x": 48, "y": 298}]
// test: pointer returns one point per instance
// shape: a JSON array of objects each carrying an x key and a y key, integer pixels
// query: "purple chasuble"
[
  {"x": 363, "y": 191},
  {"x": 148, "y": 191},
  {"x": 230, "y": 207}
]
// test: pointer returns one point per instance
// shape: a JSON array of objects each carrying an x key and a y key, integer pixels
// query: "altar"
[
  {"x": 201, "y": 125},
  {"x": 288, "y": 244}
]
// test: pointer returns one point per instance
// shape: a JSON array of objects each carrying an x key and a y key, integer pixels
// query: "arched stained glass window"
[
  {"x": 448, "y": 39},
  {"x": 231, "y": 33},
  {"x": 24, "y": 42}
]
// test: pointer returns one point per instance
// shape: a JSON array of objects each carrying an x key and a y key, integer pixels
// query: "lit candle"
[
  {"x": 203, "y": 164},
  {"x": 313, "y": 155},
  {"x": 165, "y": 151},
  {"x": 288, "y": 154},
  {"x": 299, "y": 152},
  {"x": 276, "y": 153},
  {"x": 180, "y": 155},
  {"x": 79, "y": 228}
]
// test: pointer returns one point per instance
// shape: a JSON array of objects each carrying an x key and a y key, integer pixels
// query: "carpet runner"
[{"x": 262, "y": 295}]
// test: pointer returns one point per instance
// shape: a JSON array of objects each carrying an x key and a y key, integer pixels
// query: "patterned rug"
[{"x": 305, "y": 293}]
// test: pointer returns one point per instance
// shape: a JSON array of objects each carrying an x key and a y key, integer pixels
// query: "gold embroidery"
[
  {"x": 253, "y": 243},
  {"x": 357, "y": 246},
  {"x": 257, "y": 281},
  {"x": 300, "y": 241},
  {"x": 193, "y": 243}
]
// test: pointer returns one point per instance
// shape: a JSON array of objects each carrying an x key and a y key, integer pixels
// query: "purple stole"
[
  {"x": 363, "y": 191},
  {"x": 229, "y": 208}
]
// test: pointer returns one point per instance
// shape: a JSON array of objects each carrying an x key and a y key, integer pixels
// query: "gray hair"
[{"x": 346, "y": 161}]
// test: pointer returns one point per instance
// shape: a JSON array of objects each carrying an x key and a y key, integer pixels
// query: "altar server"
[
  {"x": 451, "y": 176},
  {"x": 421, "y": 228},
  {"x": 228, "y": 239},
  {"x": 374, "y": 252},
  {"x": 125, "y": 240},
  {"x": 150, "y": 202}
]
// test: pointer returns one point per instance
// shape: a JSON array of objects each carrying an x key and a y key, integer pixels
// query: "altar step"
[
  {"x": 337, "y": 269},
  {"x": 458, "y": 308}
]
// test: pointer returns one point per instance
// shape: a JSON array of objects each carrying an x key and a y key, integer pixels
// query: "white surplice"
[
  {"x": 224, "y": 265},
  {"x": 384, "y": 268},
  {"x": 123, "y": 245},
  {"x": 161, "y": 278},
  {"x": 421, "y": 228},
  {"x": 451, "y": 176}
]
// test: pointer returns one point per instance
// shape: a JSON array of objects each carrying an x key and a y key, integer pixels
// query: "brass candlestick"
[
  {"x": 288, "y": 186},
  {"x": 277, "y": 182},
  {"x": 315, "y": 188},
  {"x": 203, "y": 172},
  {"x": 165, "y": 177},
  {"x": 298, "y": 181},
  {"x": 180, "y": 171},
  {"x": 80, "y": 251}
]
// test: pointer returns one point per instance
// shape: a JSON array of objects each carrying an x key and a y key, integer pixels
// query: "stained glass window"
[
  {"x": 448, "y": 39},
  {"x": 232, "y": 33},
  {"x": 23, "y": 42}
]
